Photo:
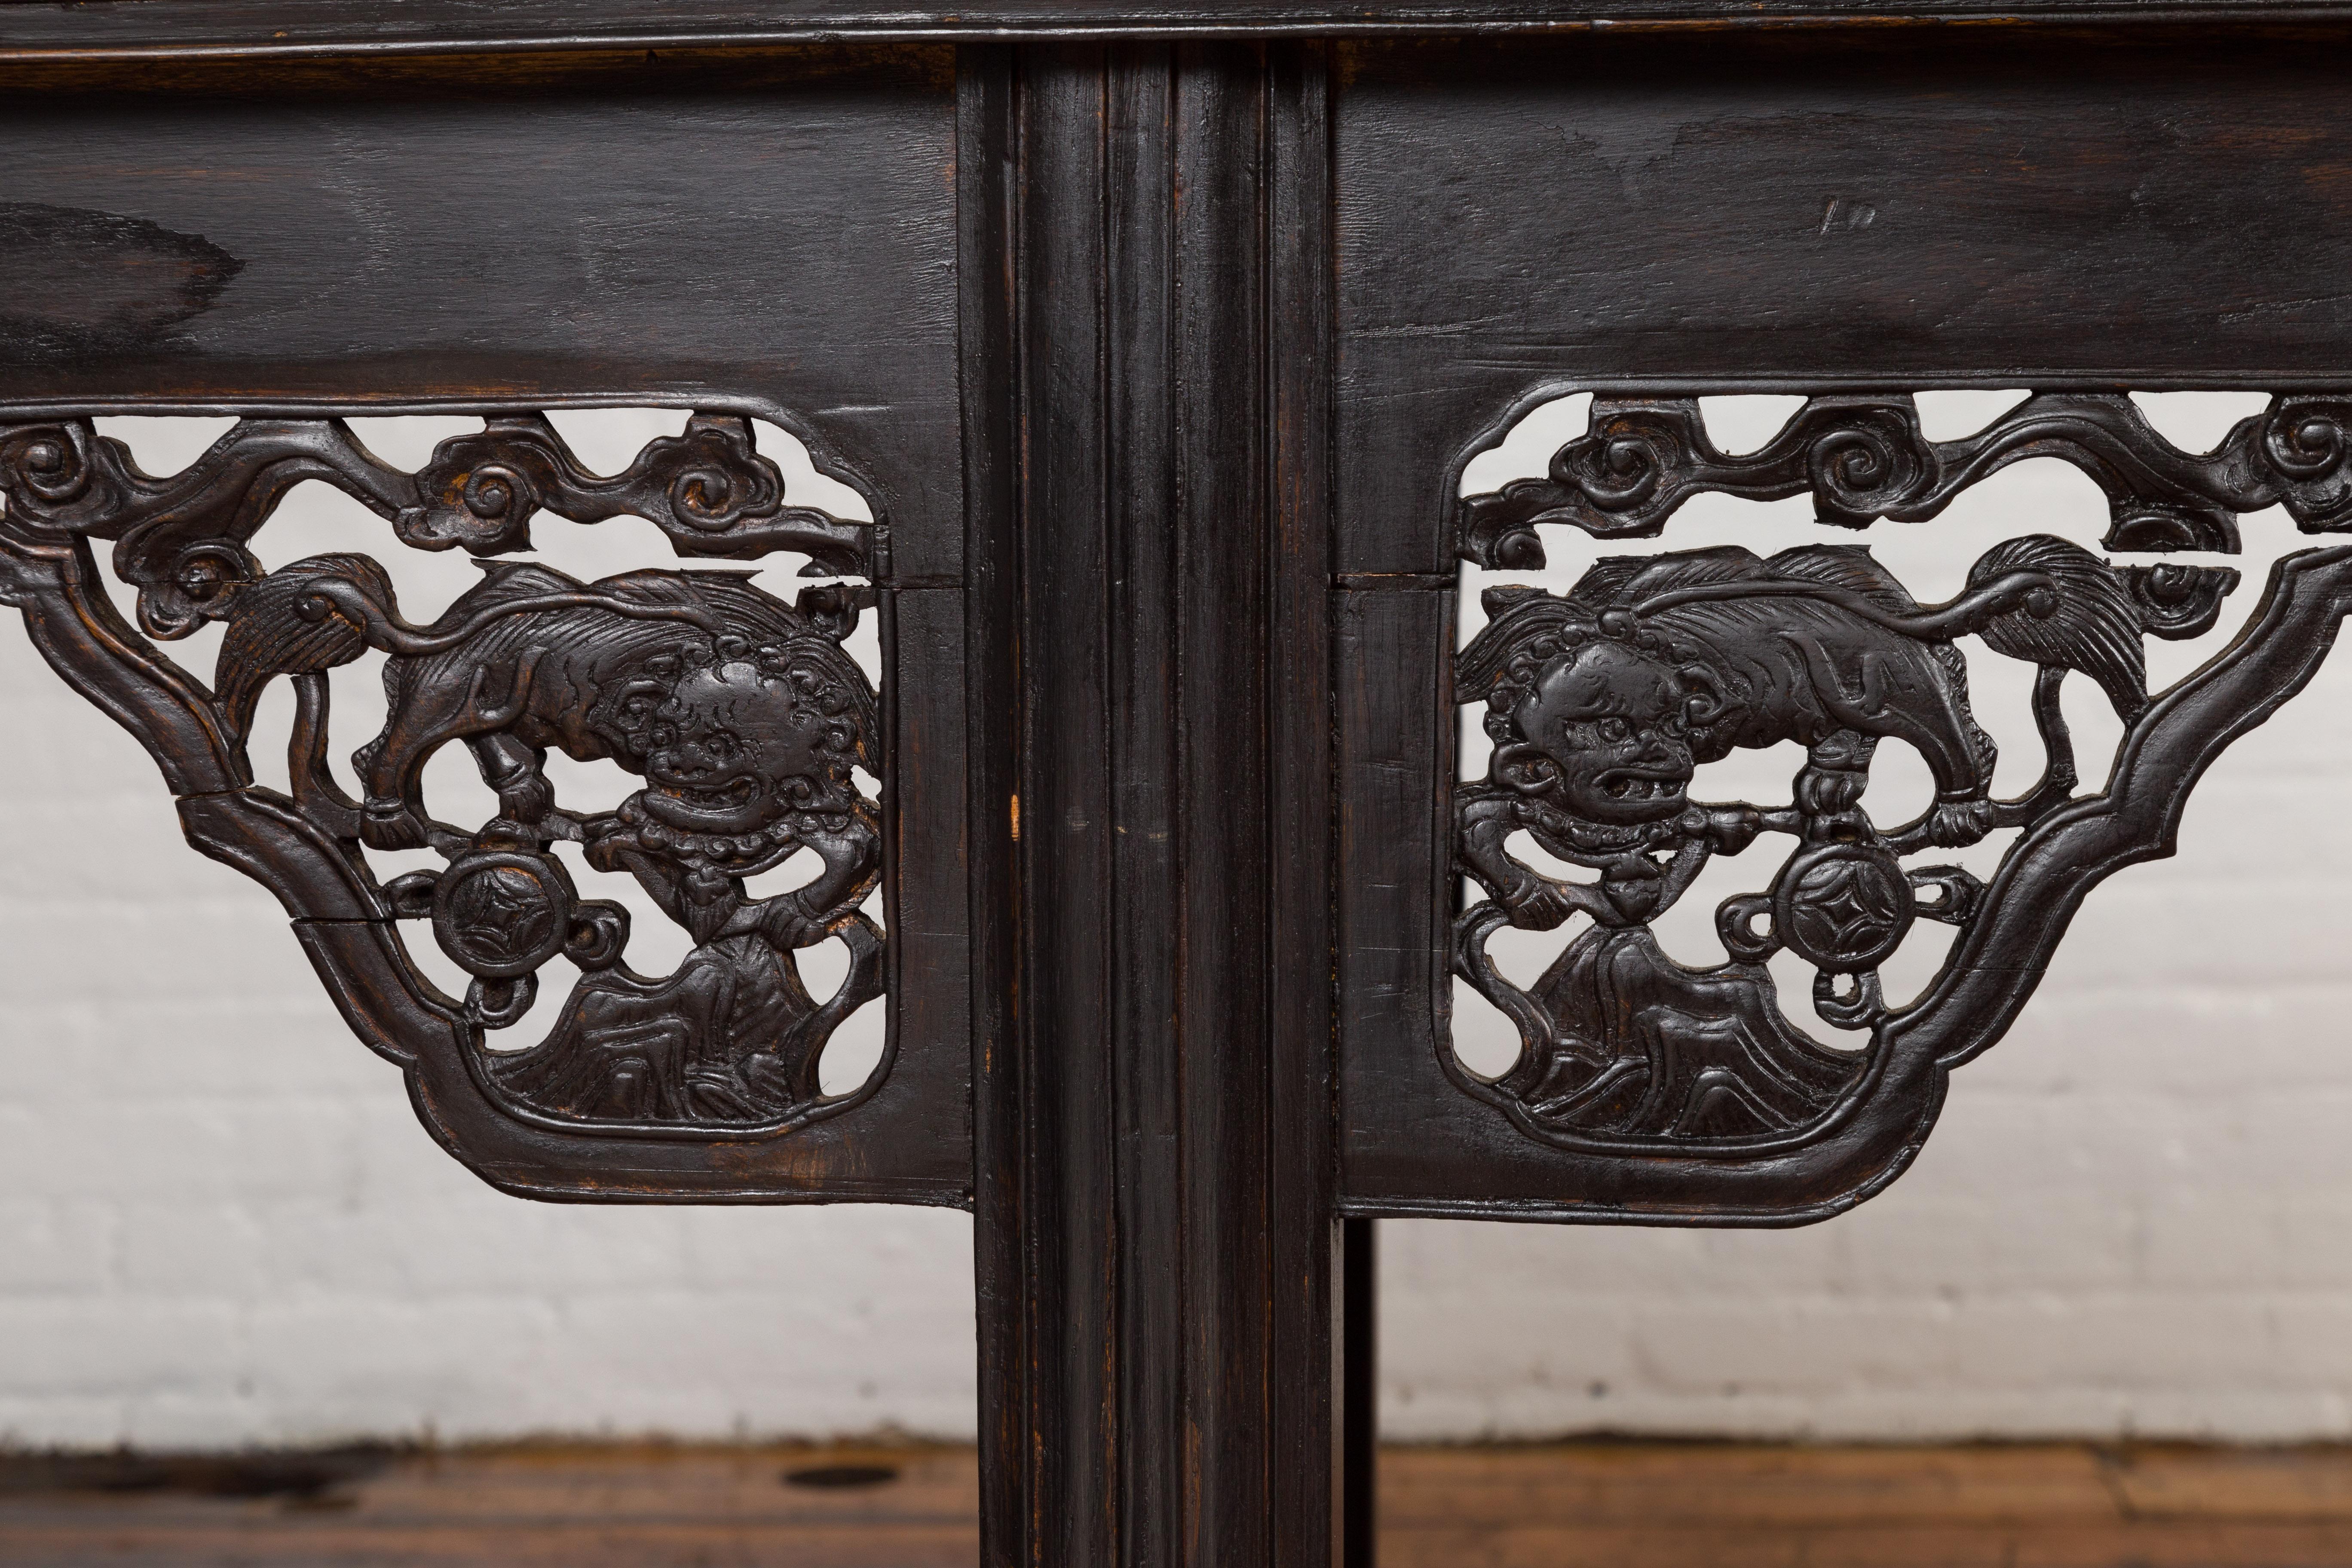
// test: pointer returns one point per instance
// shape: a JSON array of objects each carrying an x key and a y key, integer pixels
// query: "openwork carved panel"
[
  {"x": 1644, "y": 1085},
  {"x": 748, "y": 733}
]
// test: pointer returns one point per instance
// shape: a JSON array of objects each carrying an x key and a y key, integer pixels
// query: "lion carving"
[
  {"x": 746, "y": 721},
  {"x": 1602, "y": 703}
]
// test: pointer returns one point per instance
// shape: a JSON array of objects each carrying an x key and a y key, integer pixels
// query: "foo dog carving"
[
  {"x": 747, "y": 749},
  {"x": 743, "y": 717},
  {"x": 1602, "y": 702}
]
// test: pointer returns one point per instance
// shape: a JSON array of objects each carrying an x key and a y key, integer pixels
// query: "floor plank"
[
  {"x": 1606, "y": 1505},
  {"x": 637, "y": 1507}
]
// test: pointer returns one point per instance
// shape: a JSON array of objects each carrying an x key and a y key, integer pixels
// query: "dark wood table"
[{"x": 1157, "y": 340}]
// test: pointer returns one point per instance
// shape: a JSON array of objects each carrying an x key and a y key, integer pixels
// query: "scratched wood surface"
[
  {"x": 1142, "y": 344},
  {"x": 561, "y": 232},
  {"x": 1626, "y": 1505},
  {"x": 138, "y": 29},
  {"x": 1514, "y": 221}
]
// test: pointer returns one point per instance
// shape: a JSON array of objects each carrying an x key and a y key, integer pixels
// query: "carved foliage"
[
  {"x": 746, "y": 722},
  {"x": 1864, "y": 458}
]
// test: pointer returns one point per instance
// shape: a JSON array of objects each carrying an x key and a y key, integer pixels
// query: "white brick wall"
[{"x": 220, "y": 1223}]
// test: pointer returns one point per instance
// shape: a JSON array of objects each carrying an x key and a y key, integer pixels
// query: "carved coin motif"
[
  {"x": 1844, "y": 907},
  {"x": 501, "y": 915}
]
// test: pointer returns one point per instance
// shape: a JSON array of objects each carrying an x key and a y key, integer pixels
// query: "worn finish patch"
[{"x": 79, "y": 281}]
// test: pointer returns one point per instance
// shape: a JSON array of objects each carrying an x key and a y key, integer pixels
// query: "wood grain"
[
  {"x": 1164, "y": 1249},
  {"x": 1158, "y": 352},
  {"x": 1518, "y": 220},
  {"x": 1626, "y": 1505},
  {"x": 2048, "y": 212},
  {"x": 1633, "y": 1505},
  {"x": 310, "y": 28},
  {"x": 395, "y": 243},
  {"x": 583, "y": 1508}
]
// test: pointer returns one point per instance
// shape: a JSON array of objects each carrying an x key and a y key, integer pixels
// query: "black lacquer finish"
[
  {"x": 137, "y": 30},
  {"x": 1861, "y": 459},
  {"x": 273, "y": 266},
  {"x": 1161, "y": 1117},
  {"x": 1647, "y": 1090},
  {"x": 1602, "y": 702},
  {"x": 1159, "y": 362},
  {"x": 743, "y": 718}
]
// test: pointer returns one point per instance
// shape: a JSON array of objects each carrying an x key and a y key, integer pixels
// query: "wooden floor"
[{"x": 1612, "y": 1505}]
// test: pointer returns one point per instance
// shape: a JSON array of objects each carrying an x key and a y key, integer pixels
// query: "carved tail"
[
  {"x": 272, "y": 630},
  {"x": 332, "y": 598},
  {"x": 2087, "y": 620}
]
